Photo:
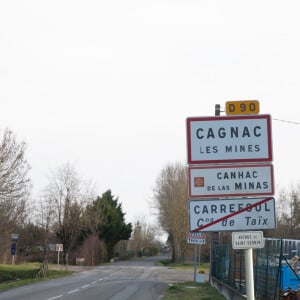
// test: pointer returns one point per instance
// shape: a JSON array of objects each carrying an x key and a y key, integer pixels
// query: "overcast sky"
[{"x": 108, "y": 85}]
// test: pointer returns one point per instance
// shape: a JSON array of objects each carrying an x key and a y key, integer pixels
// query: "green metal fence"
[{"x": 276, "y": 268}]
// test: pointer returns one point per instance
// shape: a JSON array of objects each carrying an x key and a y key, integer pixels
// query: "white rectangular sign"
[
  {"x": 59, "y": 247},
  {"x": 247, "y": 239},
  {"x": 233, "y": 180},
  {"x": 14, "y": 236},
  {"x": 197, "y": 235},
  {"x": 232, "y": 214},
  {"x": 228, "y": 139},
  {"x": 196, "y": 238},
  {"x": 191, "y": 240}
]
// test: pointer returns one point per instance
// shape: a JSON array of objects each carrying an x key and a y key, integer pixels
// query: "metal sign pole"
[
  {"x": 249, "y": 274},
  {"x": 195, "y": 261},
  {"x": 215, "y": 236}
]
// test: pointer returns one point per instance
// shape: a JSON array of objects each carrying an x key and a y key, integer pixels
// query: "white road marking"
[
  {"x": 115, "y": 272},
  {"x": 56, "y": 297},
  {"x": 85, "y": 286},
  {"x": 73, "y": 291}
]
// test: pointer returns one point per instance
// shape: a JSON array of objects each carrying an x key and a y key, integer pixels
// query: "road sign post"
[
  {"x": 246, "y": 241},
  {"x": 14, "y": 238},
  {"x": 231, "y": 156},
  {"x": 13, "y": 252},
  {"x": 249, "y": 274},
  {"x": 59, "y": 248}
]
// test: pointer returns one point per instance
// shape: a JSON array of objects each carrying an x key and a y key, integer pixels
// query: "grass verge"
[
  {"x": 168, "y": 263},
  {"x": 191, "y": 291},
  {"x": 18, "y": 275}
]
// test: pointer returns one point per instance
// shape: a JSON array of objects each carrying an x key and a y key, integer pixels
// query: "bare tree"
[
  {"x": 288, "y": 212},
  {"x": 68, "y": 195},
  {"x": 44, "y": 219},
  {"x": 15, "y": 185},
  {"x": 171, "y": 201},
  {"x": 143, "y": 238}
]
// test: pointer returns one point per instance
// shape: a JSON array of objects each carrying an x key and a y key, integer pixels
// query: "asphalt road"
[{"x": 124, "y": 280}]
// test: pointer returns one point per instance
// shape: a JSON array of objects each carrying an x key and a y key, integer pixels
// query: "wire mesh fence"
[{"x": 276, "y": 268}]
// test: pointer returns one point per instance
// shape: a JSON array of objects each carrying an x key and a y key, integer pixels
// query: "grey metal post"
[
  {"x": 214, "y": 237},
  {"x": 195, "y": 262}
]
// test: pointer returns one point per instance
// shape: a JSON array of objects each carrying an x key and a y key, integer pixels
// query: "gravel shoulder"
[{"x": 171, "y": 275}]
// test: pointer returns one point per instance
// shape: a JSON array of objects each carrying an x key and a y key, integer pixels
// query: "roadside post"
[
  {"x": 198, "y": 239},
  {"x": 247, "y": 241},
  {"x": 231, "y": 183},
  {"x": 13, "y": 250},
  {"x": 59, "y": 248}
]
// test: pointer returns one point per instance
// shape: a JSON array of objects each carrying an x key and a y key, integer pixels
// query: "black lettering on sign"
[
  {"x": 242, "y": 107},
  {"x": 231, "y": 132}
]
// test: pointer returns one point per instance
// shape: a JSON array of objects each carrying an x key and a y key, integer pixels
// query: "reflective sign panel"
[
  {"x": 229, "y": 139},
  {"x": 249, "y": 107}
]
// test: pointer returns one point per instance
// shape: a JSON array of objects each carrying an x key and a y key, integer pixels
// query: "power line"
[{"x": 290, "y": 122}]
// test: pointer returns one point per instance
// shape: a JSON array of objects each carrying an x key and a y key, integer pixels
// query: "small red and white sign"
[
  {"x": 198, "y": 238},
  {"x": 59, "y": 247},
  {"x": 228, "y": 139},
  {"x": 232, "y": 214},
  {"x": 233, "y": 180},
  {"x": 197, "y": 235}
]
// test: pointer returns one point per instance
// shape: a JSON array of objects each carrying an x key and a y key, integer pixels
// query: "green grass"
[
  {"x": 192, "y": 291},
  {"x": 18, "y": 275}
]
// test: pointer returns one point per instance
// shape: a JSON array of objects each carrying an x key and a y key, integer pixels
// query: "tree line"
[{"x": 69, "y": 212}]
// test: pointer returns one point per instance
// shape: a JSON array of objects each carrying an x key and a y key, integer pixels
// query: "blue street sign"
[{"x": 13, "y": 249}]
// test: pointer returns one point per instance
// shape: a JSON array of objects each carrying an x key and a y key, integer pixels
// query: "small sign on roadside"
[
  {"x": 196, "y": 241},
  {"x": 198, "y": 238},
  {"x": 59, "y": 247},
  {"x": 13, "y": 249},
  {"x": 247, "y": 239},
  {"x": 14, "y": 237},
  {"x": 197, "y": 235}
]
